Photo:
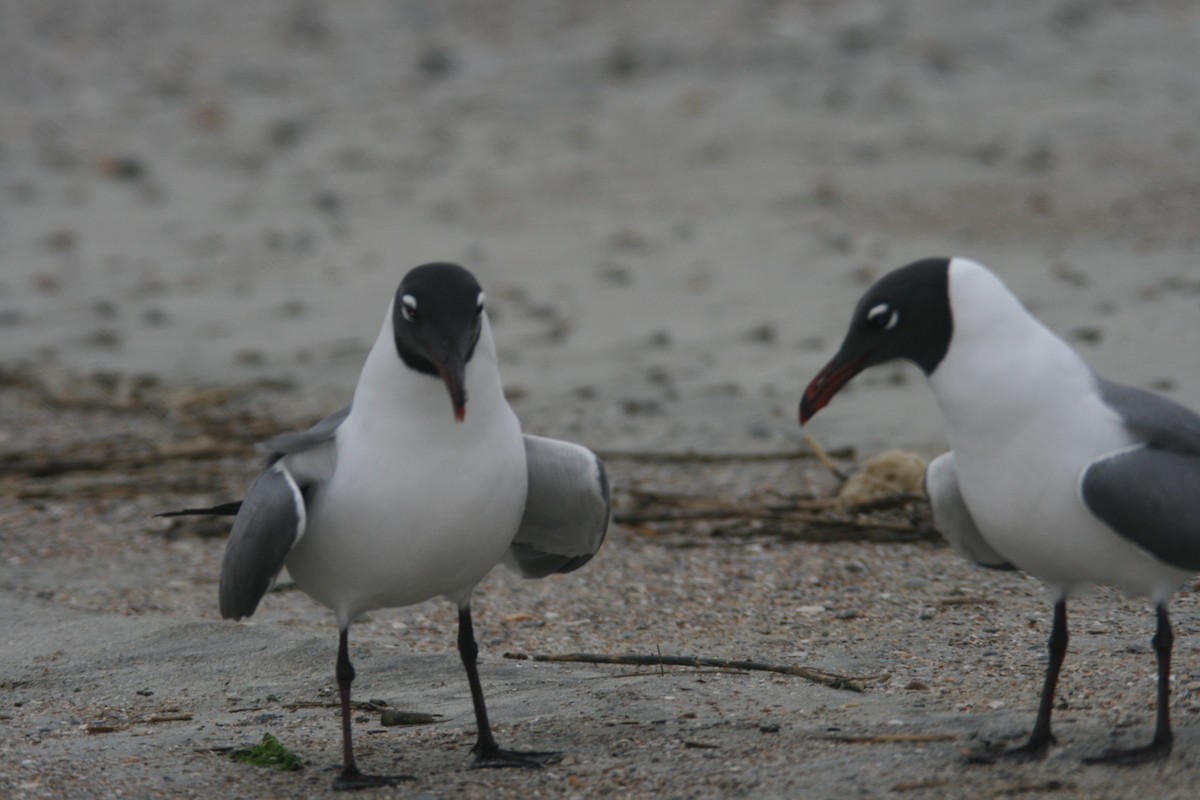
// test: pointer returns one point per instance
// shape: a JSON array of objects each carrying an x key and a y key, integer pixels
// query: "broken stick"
[{"x": 830, "y": 679}]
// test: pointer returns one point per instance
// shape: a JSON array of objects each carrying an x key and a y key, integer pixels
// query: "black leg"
[
  {"x": 1160, "y": 746},
  {"x": 350, "y": 777},
  {"x": 1041, "y": 737},
  {"x": 487, "y": 752}
]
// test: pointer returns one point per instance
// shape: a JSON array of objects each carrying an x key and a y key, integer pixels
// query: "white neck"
[
  {"x": 1003, "y": 366},
  {"x": 388, "y": 384}
]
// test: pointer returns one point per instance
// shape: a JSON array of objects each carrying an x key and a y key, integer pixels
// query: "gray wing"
[
  {"x": 566, "y": 509},
  {"x": 298, "y": 441},
  {"x": 309, "y": 458},
  {"x": 1150, "y": 493},
  {"x": 1151, "y": 497},
  {"x": 1155, "y": 419},
  {"x": 268, "y": 524},
  {"x": 952, "y": 518}
]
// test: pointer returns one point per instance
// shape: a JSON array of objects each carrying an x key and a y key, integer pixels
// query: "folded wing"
[
  {"x": 952, "y": 518},
  {"x": 299, "y": 441},
  {"x": 1151, "y": 497},
  {"x": 1150, "y": 493},
  {"x": 566, "y": 509},
  {"x": 269, "y": 523}
]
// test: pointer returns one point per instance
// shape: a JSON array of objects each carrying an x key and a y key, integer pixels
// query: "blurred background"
[{"x": 673, "y": 205}]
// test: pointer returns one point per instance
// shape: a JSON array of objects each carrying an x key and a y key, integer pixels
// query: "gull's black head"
[
  {"x": 905, "y": 315},
  {"x": 437, "y": 316}
]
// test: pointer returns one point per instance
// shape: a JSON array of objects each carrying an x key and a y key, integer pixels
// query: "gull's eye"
[
  {"x": 408, "y": 308},
  {"x": 883, "y": 316},
  {"x": 479, "y": 305}
]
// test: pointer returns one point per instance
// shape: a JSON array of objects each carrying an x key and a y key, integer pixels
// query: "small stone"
[
  {"x": 292, "y": 309},
  {"x": 766, "y": 333},
  {"x": 616, "y": 274},
  {"x": 633, "y": 407},
  {"x": 328, "y": 202},
  {"x": 105, "y": 309},
  {"x": 286, "y": 133},
  {"x": 63, "y": 240},
  {"x": 123, "y": 168},
  {"x": 104, "y": 337},
  {"x": 154, "y": 317},
  {"x": 437, "y": 61},
  {"x": 249, "y": 357},
  {"x": 623, "y": 60}
]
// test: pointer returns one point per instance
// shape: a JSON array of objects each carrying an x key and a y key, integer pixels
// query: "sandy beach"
[{"x": 672, "y": 206}]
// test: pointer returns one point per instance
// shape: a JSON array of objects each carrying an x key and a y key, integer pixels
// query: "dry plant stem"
[
  {"x": 823, "y": 457},
  {"x": 894, "y": 738},
  {"x": 690, "y": 457},
  {"x": 830, "y": 679}
]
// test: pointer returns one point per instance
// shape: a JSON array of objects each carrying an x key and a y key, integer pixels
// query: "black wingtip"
[{"x": 223, "y": 510}]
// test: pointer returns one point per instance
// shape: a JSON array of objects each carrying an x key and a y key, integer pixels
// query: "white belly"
[
  {"x": 412, "y": 513},
  {"x": 1024, "y": 420},
  {"x": 1024, "y": 496}
]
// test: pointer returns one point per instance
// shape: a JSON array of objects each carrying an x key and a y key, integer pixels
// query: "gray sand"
[{"x": 204, "y": 209}]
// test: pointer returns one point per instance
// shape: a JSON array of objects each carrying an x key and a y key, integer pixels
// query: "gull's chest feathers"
[
  {"x": 1024, "y": 419},
  {"x": 419, "y": 505}
]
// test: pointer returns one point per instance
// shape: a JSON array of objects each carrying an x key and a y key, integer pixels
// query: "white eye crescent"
[
  {"x": 884, "y": 316},
  {"x": 408, "y": 308},
  {"x": 479, "y": 304}
]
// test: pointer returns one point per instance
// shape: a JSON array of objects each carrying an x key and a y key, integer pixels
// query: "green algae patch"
[{"x": 268, "y": 753}]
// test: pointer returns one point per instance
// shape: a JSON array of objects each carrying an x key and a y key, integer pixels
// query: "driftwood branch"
[
  {"x": 894, "y": 738},
  {"x": 115, "y": 456},
  {"x": 819, "y": 676},
  {"x": 692, "y": 457},
  {"x": 901, "y": 516}
]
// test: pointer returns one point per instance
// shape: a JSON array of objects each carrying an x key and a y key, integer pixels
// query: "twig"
[
  {"x": 36, "y": 464},
  {"x": 894, "y": 738},
  {"x": 830, "y": 679},
  {"x": 874, "y": 531},
  {"x": 823, "y": 458},
  {"x": 946, "y": 602},
  {"x": 893, "y": 500},
  {"x": 819, "y": 517},
  {"x": 1025, "y": 788},
  {"x": 932, "y": 783},
  {"x": 648, "y": 497},
  {"x": 298, "y": 704},
  {"x": 899, "y": 516},
  {"x": 691, "y": 457},
  {"x": 692, "y": 744}
]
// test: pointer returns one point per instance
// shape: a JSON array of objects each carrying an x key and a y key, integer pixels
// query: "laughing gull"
[
  {"x": 1053, "y": 470},
  {"x": 396, "y": 498}
]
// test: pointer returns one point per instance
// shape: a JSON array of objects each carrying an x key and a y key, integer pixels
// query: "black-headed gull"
[
  {"x": 399, "y": 497},
  {"x": 1054, "y": 470}
]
